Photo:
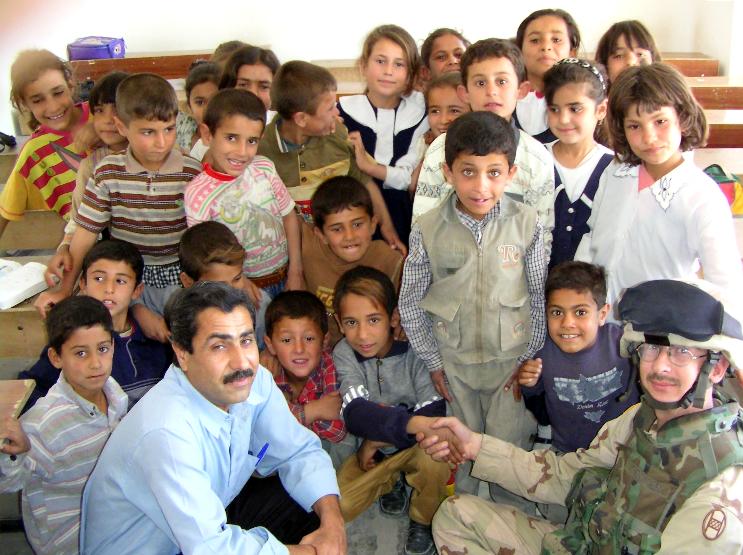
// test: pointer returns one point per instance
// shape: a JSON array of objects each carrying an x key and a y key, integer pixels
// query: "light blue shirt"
[{"x": 176, "y": 461}]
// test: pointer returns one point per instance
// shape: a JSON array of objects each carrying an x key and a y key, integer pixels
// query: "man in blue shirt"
[{"x": 189, "y": 446}]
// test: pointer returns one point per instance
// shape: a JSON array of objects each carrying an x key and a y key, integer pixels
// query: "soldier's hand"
[
  {"x": 469, "y": 442},
  {"x": 438, "y": 377}
]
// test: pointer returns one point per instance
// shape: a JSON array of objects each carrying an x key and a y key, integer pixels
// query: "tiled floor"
[{"x": 370, "y": 534}]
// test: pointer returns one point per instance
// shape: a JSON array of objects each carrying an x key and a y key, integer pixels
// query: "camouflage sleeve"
[
  {"x": 543, "y": 476},
  {"x": 711, "y": 520}
]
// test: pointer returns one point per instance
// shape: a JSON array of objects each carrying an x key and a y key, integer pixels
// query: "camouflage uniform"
[{"x": 624, "y": 500}]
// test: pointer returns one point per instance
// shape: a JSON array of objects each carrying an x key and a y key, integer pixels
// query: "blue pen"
[{"x": 262, "y": 452}]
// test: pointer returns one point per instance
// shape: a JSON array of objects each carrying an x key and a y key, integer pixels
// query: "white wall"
[{"x": 324, "y": 29}]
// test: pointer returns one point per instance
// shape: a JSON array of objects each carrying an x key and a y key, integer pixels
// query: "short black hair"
[
  {"x": 368, "y": 282},
  {"x": 298, "y": 87},
  {"x": 202, "y": 72},
  {"x": 480, "y": 133},
  {"x": 74, "y": 313},
  {"x": 487, "y": 49},
  {"x": 104, "y": 90},
  {"x": 576, "y": 71},
  {"x": 578, "y": 276},
  {"x": 295, "y": 305},
  {"x": 336, "y": 194},
  {"x": 185, "y": 305},
  {"x": 118, "y": 251},
  {"x": 146, "y": 96},
  {"x": 208, "y": 243},
  {"x": 233, "y": 102},
  {"x": 247, "y": 55}
]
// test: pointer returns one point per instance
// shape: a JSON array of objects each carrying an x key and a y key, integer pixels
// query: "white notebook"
[{"x": 18, "y": 281}]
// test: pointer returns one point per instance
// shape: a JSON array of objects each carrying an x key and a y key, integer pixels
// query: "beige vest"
[{"x": 478, "y": 299}]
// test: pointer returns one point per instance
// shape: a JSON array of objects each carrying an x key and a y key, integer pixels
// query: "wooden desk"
[
  {"x": 38, "y": 229},
  {"x": 692, "y": 64},
  {"x": 718, "y": 93},
  {"x": 731, "y": 159},
  {"x": 21, "y": 327},
  {"x": 9, "y": 156},
  {"x": 725, "y": 128},
  {"x": 170, "y": 65}
]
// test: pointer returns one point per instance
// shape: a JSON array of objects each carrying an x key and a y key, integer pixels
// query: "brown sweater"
[{"x": 322, "y": 269}]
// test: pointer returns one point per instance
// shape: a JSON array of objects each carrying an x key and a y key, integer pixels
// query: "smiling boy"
[
  {"x": 494, "y": 80},
  {"x": 137, "y": 194},
  {"x": 585, "y": 380},
  {"x": 341, "y": 239},
  {"x": 471, "y": 299},
  {"x": 244, "y": 192}
]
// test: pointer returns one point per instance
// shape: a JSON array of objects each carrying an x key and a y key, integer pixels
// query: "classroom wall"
[{"x": 332, "y": 29}]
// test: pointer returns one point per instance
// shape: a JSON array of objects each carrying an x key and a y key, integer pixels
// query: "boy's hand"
[
  {"x": 422, "y": 427},
  {"x": 60, "y": 263},
  {"x": 529, "y": 372},
  {"x": 327, "y": 407},
  {"x": 295, "y": 281},
  {"x": 13, "y": 440},
  {"x": 365, "y": 454},
  {"x": 253, "y": 292},
  {"x": 47, "y": 299},
  {"x": 469, "y": 443},
  {"x": 438, "y": 377},
  {"x": 393, "y": 240},
  {"x": 270, "y": 363},
  {"x": 152, "y": 324}
]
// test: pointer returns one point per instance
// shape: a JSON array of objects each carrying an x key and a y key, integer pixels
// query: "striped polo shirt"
[
  {"x": 67, "y": 434},
  {"x": 140, "y": 206}
]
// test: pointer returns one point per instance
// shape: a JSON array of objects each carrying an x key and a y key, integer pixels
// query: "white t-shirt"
[
  {"x": 576, "y": 179},
  {"x": 531, "y": 112}
]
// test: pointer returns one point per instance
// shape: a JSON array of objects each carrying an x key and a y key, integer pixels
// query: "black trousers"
[{"x": 265, "y": 502}]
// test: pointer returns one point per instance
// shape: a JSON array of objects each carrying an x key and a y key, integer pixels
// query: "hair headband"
[{"x": 586, "y": 65}]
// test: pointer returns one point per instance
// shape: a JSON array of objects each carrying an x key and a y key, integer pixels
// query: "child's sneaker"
[
  {"x": 395, "y": 503},
  {"x": 420, "y": 540}
]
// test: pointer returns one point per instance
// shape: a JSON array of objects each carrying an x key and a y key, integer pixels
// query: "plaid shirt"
[
  {"x": 321, "y": 382},
  {"x": 417, "y": 277}
]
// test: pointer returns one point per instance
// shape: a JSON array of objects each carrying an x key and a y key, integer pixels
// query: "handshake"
[{"x": 445, "y": 439}]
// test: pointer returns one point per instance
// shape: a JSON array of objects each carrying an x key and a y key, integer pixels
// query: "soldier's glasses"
[{"x": 677, "y": 354}]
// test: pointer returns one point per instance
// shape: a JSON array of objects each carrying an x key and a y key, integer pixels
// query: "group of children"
[{"x": 436, "y": 193}]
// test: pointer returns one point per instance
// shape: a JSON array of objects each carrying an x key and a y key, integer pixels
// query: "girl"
[
  {"x": 201, "y": 84},
  {"x": 626, "y": 44},
  {"x": 388, "y": 120},
  {"x": 440, "y": 53},
  {"x": 544, "y": 37},
  {"x": 575, "y": 91},
  {"x": 656, "y": 215},
  {"x": 251, "y": 68},
  {"x": 44, "y": 175},
  {"x": 443, "y": 106}
]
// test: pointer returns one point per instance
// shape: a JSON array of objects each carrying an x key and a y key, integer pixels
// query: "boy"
[
  {"x": 112, "y": 274},
  {"x": 472, "y": 294},
  {"x": 244, "y": 192},
  {"x": 494, "y": 79},
  {"x": 138, "y": 194},
  {"x": 296, "y": 333},
  {"x": 585, "y": 380},
  {"x": 386, "y": 393},
  {"x": 341, "y": 239},
  {"x": 51, "y": 451},
  {"x": 308, "y": 145},
  {"x": 208, "y": 251}
]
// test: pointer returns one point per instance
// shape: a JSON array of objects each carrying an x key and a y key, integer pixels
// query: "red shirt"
[{"x": 321, "y": 382}]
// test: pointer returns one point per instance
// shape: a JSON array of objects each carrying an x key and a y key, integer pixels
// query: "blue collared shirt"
[{"x": 176, "y": 461}]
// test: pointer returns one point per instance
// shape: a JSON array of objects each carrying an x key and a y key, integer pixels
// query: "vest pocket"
[
  {"x": 442, "y": 307},
  {"x": 515, "y": 324}
]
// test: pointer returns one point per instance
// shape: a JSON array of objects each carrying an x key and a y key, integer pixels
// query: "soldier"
[{"x": 665, "y": 477}]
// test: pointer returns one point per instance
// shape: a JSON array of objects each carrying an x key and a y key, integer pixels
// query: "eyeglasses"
[{"x": 678, "y": 355}]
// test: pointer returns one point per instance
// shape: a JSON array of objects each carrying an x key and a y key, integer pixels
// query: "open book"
[{"x": 18, "y": 281}]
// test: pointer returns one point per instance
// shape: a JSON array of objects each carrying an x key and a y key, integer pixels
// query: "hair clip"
[{"x": 586, "y": 65}]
